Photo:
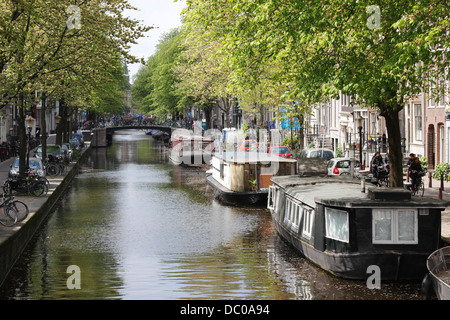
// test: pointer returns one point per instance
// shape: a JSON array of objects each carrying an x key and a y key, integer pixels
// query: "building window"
[
  {"x": 437, "y": 93},
  {"x": 418, "y": 122},
  {"x": 308, "y": 220},
  {"x": 394, "y": 226},
  {"x": 441, "y": 92},
  {"x": 336, "y": 224}
]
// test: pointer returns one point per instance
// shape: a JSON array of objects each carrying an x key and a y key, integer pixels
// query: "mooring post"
[{"x": 429, "y": 180}]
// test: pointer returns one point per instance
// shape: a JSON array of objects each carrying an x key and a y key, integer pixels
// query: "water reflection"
[{"x": 140, "y": 228}]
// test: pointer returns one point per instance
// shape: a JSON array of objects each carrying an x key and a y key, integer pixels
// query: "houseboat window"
[
  {"x": 272, "y": 198},
  {"x": 336, "y": 224},
  {"x": 308, "y": 215},
  {"x": 394, "y": 226},
  {"x": 292, "y": 216}
]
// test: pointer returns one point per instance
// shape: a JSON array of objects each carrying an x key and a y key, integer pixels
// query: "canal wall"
[{"x": 13, "y": 240}]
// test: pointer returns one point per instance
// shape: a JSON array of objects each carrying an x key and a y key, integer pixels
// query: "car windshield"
[
  {"x": 53, "y": 150},
  {"x": 321, "y": 154},
  {"x": 33, "y": 164},
  {"x": 280, "y": 150}
]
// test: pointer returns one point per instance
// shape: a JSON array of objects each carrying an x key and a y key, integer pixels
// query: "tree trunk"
[
  {"x": 44, "y": 126},
  {"x": 23, "y": 141},
  {"x": 391, "y": 115},
  {"x": 60, "y": 126},
  {"x": 302, "y": 132}
]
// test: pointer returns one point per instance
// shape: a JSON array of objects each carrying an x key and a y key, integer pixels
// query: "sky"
[{"x": 163, "y": 15}]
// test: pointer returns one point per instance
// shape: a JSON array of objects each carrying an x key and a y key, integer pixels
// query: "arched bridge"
[{"x": 102, "y": 137}]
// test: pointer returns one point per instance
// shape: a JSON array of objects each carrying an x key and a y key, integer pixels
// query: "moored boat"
[
  {"x": 243, "y": 178},
  {"x": 438, "y": 265},
  {"x": 189, "y": 149},
  {"x": 348, "y": 232}
]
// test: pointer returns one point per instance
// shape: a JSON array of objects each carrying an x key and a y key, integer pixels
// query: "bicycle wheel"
[
  {"x": 52, "y": 169},
  {"x": 8, "y": 216},
  {"x": 37, "y": 188},
  {"x": 20, "y": 208},
  {"x": 62, "y": 169},
  {"x": 421, "y": 189}
]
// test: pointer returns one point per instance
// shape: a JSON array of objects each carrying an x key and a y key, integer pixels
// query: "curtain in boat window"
[
  {"x": 336, "y": 224},
  {"x": 406, "y": 225},
  {"x": 382, "y": 225}
]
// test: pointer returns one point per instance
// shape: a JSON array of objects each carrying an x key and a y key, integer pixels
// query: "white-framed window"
[
  {"x": 293, "y": 214},
  {"x": 417, "y": 122},
  {"x": 394, "y": 226},
  {"x": 308, "y": 220},
  {"x": 273, "y": 198},
  {"x": 336, "y": 224}
]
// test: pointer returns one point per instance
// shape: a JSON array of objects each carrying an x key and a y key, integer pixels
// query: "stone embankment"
[{"x": 13, "y": 240}]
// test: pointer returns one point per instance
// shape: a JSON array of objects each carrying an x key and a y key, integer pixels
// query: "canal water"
[{"x": 137, "y": 227}]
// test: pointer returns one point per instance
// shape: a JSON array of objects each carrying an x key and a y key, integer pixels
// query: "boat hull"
[
  {"x": 438, "y": 264},
  {"x": 190, "y": 158},
  {"x": 226, "y": 196},
  {"x": 393, "y": 266}
]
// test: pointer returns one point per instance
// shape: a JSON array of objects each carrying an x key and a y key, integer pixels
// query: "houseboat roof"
[
  {"x": 242, "y": 157},
  {"x": 339, "y": 192}
]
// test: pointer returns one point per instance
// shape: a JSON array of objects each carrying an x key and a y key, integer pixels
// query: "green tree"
[
  {"x": 382, "y": 55},
  {"x": 155, "y": 87},
  {"x": 70, "y": 44}
]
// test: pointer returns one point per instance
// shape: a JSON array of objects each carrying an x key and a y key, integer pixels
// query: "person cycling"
[
  {"x": 415, "y": 171},
  {"x": 376, "y": 163}
]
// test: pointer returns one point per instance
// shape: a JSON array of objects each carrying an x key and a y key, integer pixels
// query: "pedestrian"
[{"x": 412, "y": 156}]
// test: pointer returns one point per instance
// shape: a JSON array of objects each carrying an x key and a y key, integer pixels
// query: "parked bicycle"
[
  {"x": 31, "y": 184},
  {"x": 382, "y": 177},
  {"x": 12, "y": 211},
  {"x": 54, "y": 165}
]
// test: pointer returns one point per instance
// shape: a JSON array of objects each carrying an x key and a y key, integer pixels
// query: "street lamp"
[
  {"x": 359, "y": 123},
  {"x": 29, "y": 122}
]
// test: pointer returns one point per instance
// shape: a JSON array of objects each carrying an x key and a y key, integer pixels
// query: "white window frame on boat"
[
  {"x": 273, "y": 196},
  {"x": 308, "y": 220},
  {"x": 394, "y": 226},
  {"x": 293, "y": 214},
  {"x": 340, "y": 232}
]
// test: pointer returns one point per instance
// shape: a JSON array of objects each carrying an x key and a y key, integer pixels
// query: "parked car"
[
  {"x": 281, "y": 151},
  {"x": 35, "y": 164},
  {"x": 248, "y": 145},
  {"x": 75, "y": 144},
  {"x": 67, "y": 151},
  {"x": 342, "y": 166},
  {"x": 316, "y": 153},
  {"x": 52, "y": 149}
]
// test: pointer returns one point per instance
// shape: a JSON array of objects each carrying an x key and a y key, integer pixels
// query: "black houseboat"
[{"x": 344, "y": 230}]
